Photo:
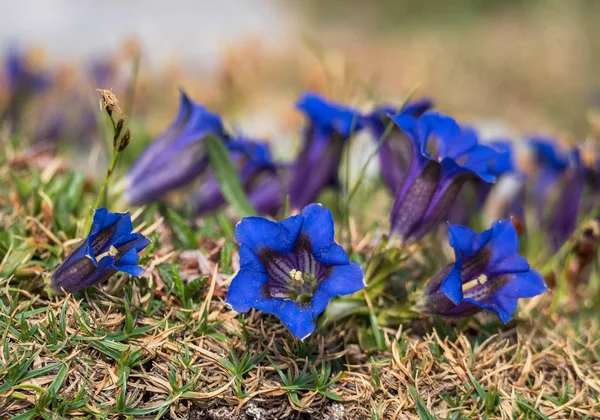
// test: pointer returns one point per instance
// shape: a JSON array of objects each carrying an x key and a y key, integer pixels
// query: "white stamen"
[{"x": 481, "y": 280}]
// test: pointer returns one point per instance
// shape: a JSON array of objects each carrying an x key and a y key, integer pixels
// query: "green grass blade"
[
  {"x": 227, "y": 176},
  {"x": 422, "y": 409}
]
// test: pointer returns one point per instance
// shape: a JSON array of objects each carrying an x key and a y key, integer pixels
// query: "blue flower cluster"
[{"x": 293, "y": 268}]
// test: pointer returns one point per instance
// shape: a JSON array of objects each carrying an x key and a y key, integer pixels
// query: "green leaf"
[
  {"x": 333, "y": 396},
  {"x": 422, "y": 409},
  {"x": 528, "y": 407},
  {"x": 194, "y": 286},
  {"x": 179, "y": 287},
  {"x": 227, "y": 177},
  {"x": 181, "y": 228}
]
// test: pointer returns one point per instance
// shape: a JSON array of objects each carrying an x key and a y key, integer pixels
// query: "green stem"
[{"x": 102, "y": 197}]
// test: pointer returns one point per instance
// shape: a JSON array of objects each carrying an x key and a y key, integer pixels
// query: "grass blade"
[{"x": 227, "y": 176}]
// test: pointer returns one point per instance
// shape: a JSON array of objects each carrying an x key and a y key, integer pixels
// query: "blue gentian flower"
[
  {"x": 110, "y": 247},
  {"x": 557, "y": 189},
  {"x": 488, "y": 274},
  {"x": 177, "y": 156},
  {"x": 442, "y": 160},
  {"x": 252, "y": 158},
  {"x": 395, "y": 152},
  {"x": 292, "y": 268},
  {"x": 316, "y": 167}
]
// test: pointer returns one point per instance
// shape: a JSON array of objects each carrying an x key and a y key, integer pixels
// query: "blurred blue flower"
[
  {"x": 292, "y": 268},
  {"x": 252, "y": 159},
  {"x": 22, "y": 82},
  {"x": 488, "y": 274},
  {"x": 557, "y": 190},
  {"x": 316, "y": 167},
  {"x": 267, "y": 194},
  {"x": 110, "y": 247},
  {"x": 177, "y": 156},
  {"x": 443, "y": 158},
  {"x": 21, "y": 76},
  {"x": 395, "y": 152}
]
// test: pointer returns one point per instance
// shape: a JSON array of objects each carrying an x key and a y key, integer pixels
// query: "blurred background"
[{"x": 526, "y": 66}]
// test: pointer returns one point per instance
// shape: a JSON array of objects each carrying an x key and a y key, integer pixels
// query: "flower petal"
[
  {"x": 298, "y": 319},
  {"x": 258, "y": 233},
  {"x": 318, "y": 227},
  {"x": 524, "y": 285},
  {"x": 452, "y": 285},
  {"x": 344, "y": 280}
]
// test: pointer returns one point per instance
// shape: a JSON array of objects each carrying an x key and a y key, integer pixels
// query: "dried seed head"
[
  {"x": 108, "y": 102},
  {"x": 118, "y": 129},
  {"x": 125, "y": 140}
]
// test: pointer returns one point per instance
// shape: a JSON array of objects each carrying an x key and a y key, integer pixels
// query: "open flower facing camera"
[
  {"x": 110, "y": 247},
  {"x": 292, "y": 268}
]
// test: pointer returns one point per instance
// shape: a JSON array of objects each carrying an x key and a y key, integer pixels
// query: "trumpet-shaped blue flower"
[
  {"x": 488, "y": 274},
  {"x": 316, "y": 167},
  {"x": 111, "y": 246},
  {"x": 292, "y": 268},
  {"x": 395, "y": 152},
  {"x": 177, "y": 156},
  {"x": 557, "y": 188},
  {"x": 443, "y": 159},
  {"x": 252, "y": 158}
]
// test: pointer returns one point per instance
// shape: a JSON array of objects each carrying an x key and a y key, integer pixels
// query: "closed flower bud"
[{"x": 177, "y": 156}]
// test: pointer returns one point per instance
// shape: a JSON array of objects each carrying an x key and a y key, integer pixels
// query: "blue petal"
[
  {"x": 258, "y": 233},
  {"x": 299, "y": 320},
  {"x": 318, "y": 226},
  {"x": 503, "y": 163},
  {"x": 344, "y": 280},
  {"x": 503, "y": 308},
  {"x": 548, "y": 153},
  {"x": 133, "y": 270},
  {"x": 508, "y": 265},
  {"x": 524, "y": 285},
  {"x": 336, "y": 117},
  {"x": 461, "y": 239},
  {"x": 245, "y": 290},
  {"x": 443, "y": 128},
  {"x": 129, "y": 258},
  {"x": 135, "y": 241},
  {"x": 452, "y": 285},
  {"x": 418, "y": 107},
  {"x": 504, "y": 242},
  {"x": 468, "y": 140}
]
